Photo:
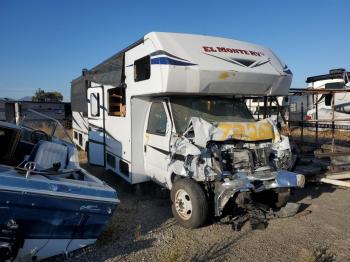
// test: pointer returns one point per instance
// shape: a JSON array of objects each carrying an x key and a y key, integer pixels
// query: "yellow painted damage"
[
  {"x": 224, "y": 75},
  {"x": 247, "y": 131}
]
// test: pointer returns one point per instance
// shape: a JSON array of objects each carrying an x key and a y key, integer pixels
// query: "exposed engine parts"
[
  {"x": 251, "y": 157},
  {"x": 227, "y": 166}
]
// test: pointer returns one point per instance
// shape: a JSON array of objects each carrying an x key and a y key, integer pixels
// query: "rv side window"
[
  {"x": 328, "y": 99},
  {"x": 80, "y": 139},
  {"x": 142, "y": 69},
  {"x": 95, "y": 104},
  {"x": 157, "y": 120},
  {"x": 336, "y": 85},
  {"x": 116, "y": 102}
]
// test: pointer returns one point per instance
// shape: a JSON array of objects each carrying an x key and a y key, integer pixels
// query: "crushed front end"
[{"x": 234, "y": 157}]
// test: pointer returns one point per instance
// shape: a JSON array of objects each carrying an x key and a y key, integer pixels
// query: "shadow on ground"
[
  {"x": 145, "y": 211},
  {"x": 143, "y": 208}
]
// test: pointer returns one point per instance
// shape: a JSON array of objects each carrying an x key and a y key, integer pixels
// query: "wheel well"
[{"x": 173, "y": 177}]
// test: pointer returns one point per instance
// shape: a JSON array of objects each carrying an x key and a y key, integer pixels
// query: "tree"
[{"x": 42, "y": 96}]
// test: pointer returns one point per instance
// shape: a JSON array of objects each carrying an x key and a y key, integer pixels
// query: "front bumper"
[
  {"x": 285, "y": 179},
  {"x": 242, "y": 182}
]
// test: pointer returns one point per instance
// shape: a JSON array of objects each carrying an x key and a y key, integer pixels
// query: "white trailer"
[
  {"x": 170, "y": 108},
  {"x": 338, "y": 79},
  {"x": 79, "y": 105}
]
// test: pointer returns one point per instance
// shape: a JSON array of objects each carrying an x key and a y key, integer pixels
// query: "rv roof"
[
  {"x": 201, "y": 64},
  {"x": 333, "y": 74}
]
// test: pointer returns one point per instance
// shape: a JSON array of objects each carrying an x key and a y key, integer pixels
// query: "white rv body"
[
  {"x": 80, "y": 129},
  {"x": 144, "y": 80},
  {"x": 336, "y": 79}
]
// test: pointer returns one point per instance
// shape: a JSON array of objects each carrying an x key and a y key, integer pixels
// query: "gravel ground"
[{"x": 143, "y": 229}]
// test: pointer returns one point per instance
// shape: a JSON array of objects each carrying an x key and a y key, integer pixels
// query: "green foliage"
[{"x": 42, "y": 96}]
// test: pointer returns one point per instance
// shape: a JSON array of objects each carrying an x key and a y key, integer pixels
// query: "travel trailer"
[
  {"x": 170, "y": 108},
  {"x": 338, "y": 79},
  {"x": 296, "y": 104},
  {"x": 79, "y": 104}
]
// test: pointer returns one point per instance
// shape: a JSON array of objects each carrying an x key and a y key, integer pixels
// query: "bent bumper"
[
  {"x": 285, "y": 179},
  {"x": 244, "y": 182}
]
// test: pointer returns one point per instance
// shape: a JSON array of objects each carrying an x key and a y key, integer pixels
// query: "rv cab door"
[
  {"x": 156, "y": 142},
  {"x": 96, "y": 138}
]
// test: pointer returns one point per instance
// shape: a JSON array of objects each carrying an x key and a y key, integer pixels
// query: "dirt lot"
[
  {"x": 143, "y": 229},
  {"x": 324, "y": 136}
]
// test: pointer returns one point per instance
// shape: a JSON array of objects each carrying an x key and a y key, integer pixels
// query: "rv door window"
[
  {"x": 95, "y": 104},
  {"x": 157, "y": 120},
  {"x": 142, "y": 69},
  {"x": 116, "y": 102}
]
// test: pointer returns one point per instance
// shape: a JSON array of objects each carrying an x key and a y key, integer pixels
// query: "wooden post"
[
  {"x": 277, "y": 106},
  {"x": 302, "y": 123},
  {"x": 316, "y": 137},
  {"x": 333, "y": 127},
  {"x": 288, "y": 123}
]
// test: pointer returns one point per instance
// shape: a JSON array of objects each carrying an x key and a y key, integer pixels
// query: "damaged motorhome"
[{"x": 170, "y": 108}]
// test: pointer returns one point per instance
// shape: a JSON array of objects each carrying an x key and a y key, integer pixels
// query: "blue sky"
[{"x": 45, "y": 43}]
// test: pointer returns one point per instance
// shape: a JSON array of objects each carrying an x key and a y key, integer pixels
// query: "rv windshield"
[{"x": 211, "y": 109}]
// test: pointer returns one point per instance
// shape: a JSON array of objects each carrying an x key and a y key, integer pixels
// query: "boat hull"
[
  {"x": 52, "y": 211},
  {"x": 44, "y": 248}
]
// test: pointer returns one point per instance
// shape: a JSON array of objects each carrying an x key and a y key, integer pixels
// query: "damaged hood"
[{"x": 205, "y": 131}]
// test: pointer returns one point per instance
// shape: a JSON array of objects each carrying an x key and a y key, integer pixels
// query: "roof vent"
[{"x": 337, "y": 71}]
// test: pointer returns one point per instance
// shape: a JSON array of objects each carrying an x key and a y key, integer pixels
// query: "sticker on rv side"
[{"x": 232, "y": 50}]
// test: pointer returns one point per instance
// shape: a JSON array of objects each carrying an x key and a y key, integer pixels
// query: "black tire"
[
  {"x": 194, "y": 194},
  {"x": 274, "y": 198},
  {"x": 282, "y": 197}
]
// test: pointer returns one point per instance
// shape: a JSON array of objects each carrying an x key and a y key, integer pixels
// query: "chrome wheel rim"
[{"x": 183, "y": 204}]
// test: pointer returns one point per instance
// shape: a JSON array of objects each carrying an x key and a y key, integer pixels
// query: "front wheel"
[{"x": 190, "y": 206}]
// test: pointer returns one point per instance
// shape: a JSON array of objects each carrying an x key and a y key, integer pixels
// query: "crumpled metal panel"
[{"x": 245, "y": 131}]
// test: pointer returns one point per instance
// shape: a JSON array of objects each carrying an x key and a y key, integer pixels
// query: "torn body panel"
[{"x": 234, "y": 157}]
